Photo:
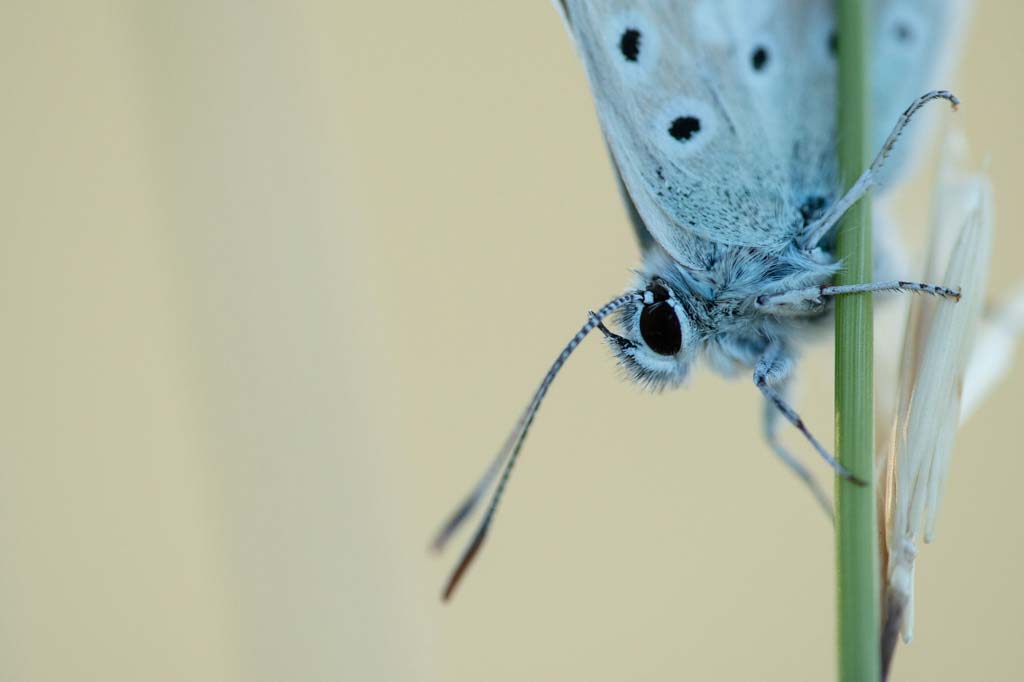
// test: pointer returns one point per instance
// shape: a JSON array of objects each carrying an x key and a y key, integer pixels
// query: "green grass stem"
[{"x": 856, "y": 522}]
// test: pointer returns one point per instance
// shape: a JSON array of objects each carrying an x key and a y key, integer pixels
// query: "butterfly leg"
[
  {"x": 770, "y": 422},
  {"x": 773, "y": 368},
  {"x": 810, "y": 299}
]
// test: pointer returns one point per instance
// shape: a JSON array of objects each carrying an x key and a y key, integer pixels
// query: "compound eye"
[{"x": 660, "y": 329}]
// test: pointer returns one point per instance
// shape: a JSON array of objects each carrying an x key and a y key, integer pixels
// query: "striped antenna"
[{"x": 509, "y": 452}]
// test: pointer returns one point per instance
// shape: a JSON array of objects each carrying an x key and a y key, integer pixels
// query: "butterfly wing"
[
  {"x": 643, "y": 235},
  {"x": 719, "y": 116},
  {"x": 913, "y": 46}
]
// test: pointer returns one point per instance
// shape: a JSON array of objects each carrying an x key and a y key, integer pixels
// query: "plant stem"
[{"x": 856, "y": 534}]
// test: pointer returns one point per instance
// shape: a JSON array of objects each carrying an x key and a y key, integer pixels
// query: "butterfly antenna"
[
  {"x": 509, "y": 453},
  {"x": 463, "y": 511},
  {"x": 821, "y": 227}
]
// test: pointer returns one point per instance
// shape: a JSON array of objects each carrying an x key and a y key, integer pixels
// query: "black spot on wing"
[
  {"x": 629, "y": 44},
  {"x": 903, "y": 32},
  {"x": 684, "y": 128},
  {"x": 759, "y": 58}
]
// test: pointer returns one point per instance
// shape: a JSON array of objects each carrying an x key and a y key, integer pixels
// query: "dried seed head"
[{"x": 936, "y": 350}]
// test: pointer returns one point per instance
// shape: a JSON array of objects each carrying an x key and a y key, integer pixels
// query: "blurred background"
[{"x": 277, "y": 279}]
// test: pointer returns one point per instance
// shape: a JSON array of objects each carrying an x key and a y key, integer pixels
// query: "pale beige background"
[{"x": 276, "y": 280}]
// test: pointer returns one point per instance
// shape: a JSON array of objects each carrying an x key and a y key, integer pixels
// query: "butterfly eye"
[
  {"x": 660, "y": 328},
  {"x": 833, "y": 43},
  {"x": 659, "y": 324},
  {"x": 684, "y": 127},
  {"x": 629, "y": 44}
]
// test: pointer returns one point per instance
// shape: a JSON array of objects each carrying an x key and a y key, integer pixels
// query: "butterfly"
[{"x": 720, "y": 119}]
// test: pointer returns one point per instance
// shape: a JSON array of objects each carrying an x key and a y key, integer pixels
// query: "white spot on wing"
[{"x": 650, "y": 45}]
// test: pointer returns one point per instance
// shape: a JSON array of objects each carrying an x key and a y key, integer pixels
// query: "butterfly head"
[{"x": 657, "y": 337}]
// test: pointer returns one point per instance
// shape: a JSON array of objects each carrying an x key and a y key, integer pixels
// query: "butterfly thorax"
[{"x": 716, "y": 303}]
